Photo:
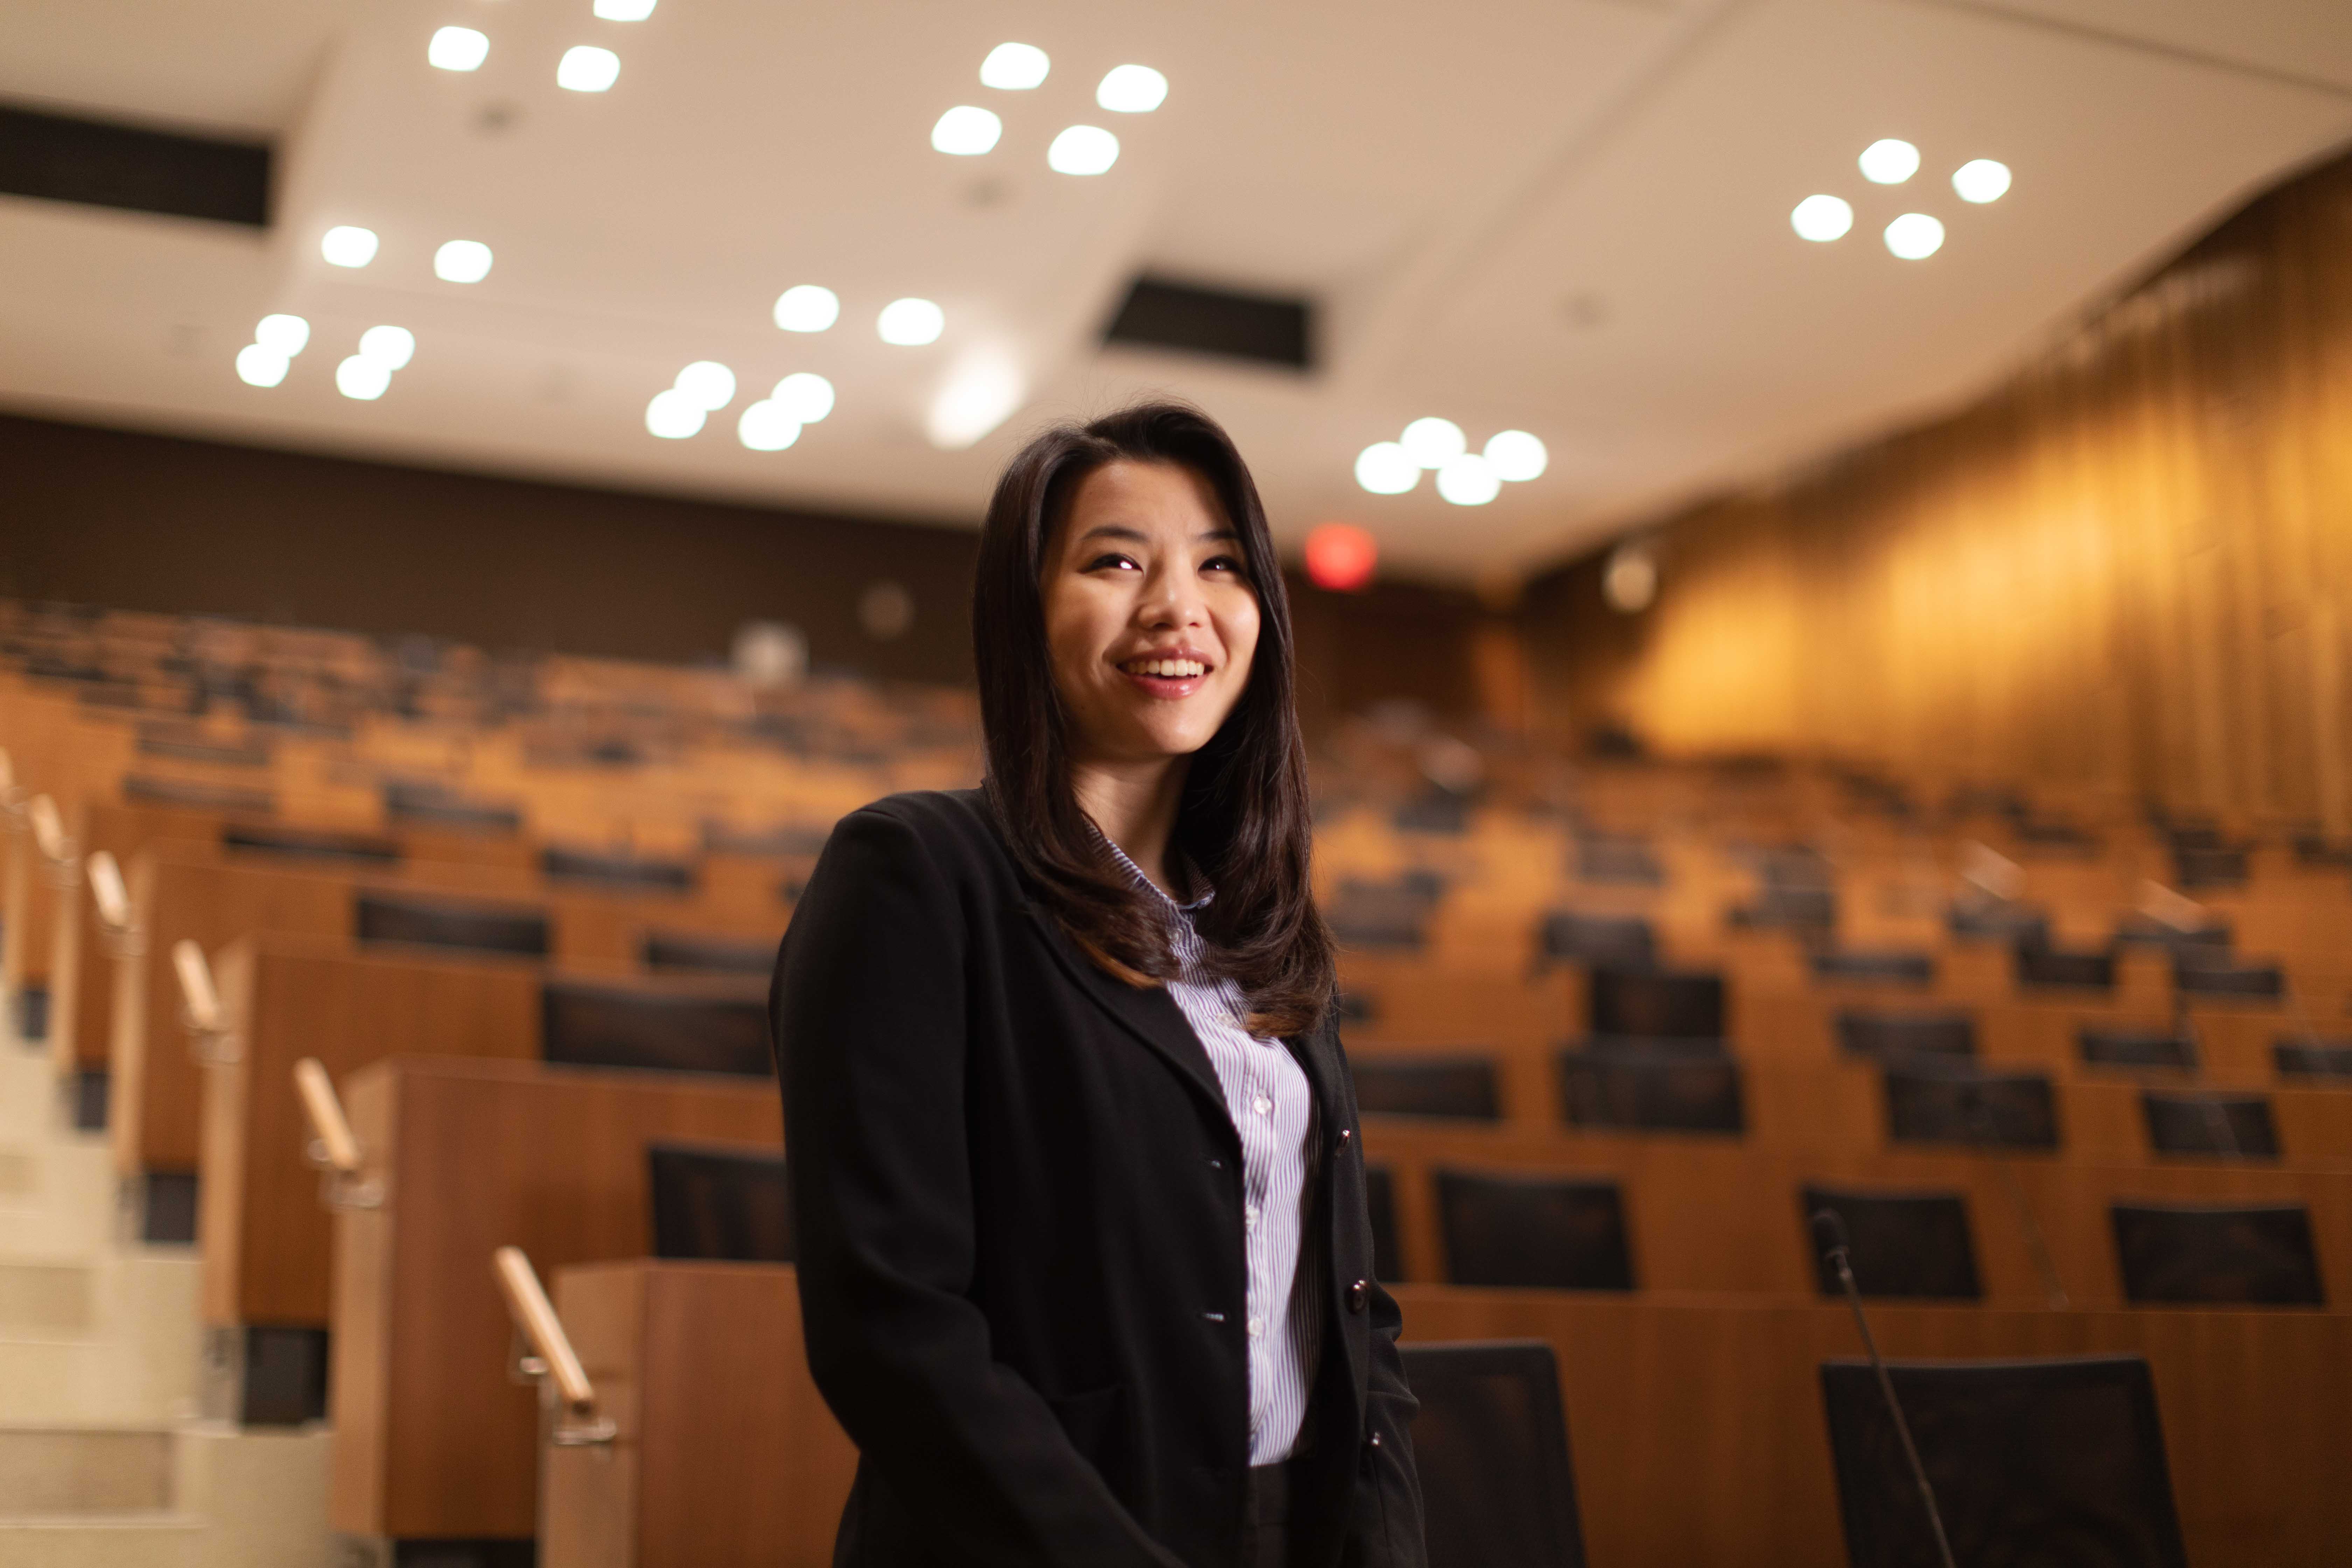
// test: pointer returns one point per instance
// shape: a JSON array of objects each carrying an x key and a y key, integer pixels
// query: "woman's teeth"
[{"x": 1175, "y": 668}]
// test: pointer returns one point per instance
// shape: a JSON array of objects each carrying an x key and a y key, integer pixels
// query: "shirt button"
[
  {"x": 1249, "y": 1216},
  {"x": 1256, "y": 1327},
  {"x": 1262, "y": 1105}
]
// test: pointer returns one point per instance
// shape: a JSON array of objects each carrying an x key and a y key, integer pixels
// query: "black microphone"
[{"x": 1829, "y": 1233}]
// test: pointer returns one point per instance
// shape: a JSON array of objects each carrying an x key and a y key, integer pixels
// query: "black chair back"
[
  {"x": 435, "y": 923},
  {"x": 1933, "y": 1101},
  {"x": 686, "y": 953},
  {"x": 1427, "y": 1086},
  {"x": 2304, "y": 1057},
  {"x": 431, "y": 805},
  {"x": 2226, "y": 1126},
  {"x": 140, "y": 790},
  {"x": 1569, "y": 936},
  {"x": 1553, "y": 1232},
  {"x": 791, "y": 838},
  {"x": 311, "y": 843},
  {"x": 1788, "y": 907},
  {"x": 1438, "y": 811},
  {"x": 2208, "y": 866},
  {"x": 2197, "y": 975},
  {"x": 612, "y": 870},
  {"x": 2105, "y": 1048},
  {"x": 734, "y": 1206},
  {"x": 1654, "y": 1091},
  {"x": 1380, "y": 1203},
  {"x": 1490, "y": 1446},
  {"x": 1913, "y": 1245},
  {"x": 2039, "y": 965},
  {"x": 2032, "y": 1462},
  {"x": 1621, "y": 862},
  {"x": 1891, "y": 1037},
  {"x": 2006, "y": 919},
  {"x": 1389, "y": 915},
  {"x": 585, "y": 1025},
  {"x": 2146, "y": 931},
  {"x": 1884, "y": 967},
  {"x": 1357, "y": 1007},
  {"x": 2256, "y": 1255},
  {"x": 1655, "y": 1003}
]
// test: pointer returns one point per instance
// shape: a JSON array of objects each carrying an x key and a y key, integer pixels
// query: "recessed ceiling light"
[
  {"x": 1014, "y": 66},
  {"x": 1132, "y": 89},
  {"x": 1386, "y": 468},
  {"x": 807, "y": 308},
  {"x": 1915, "y": 236},
  {"x": 1434, "y": 442},
  {"x": 348, "y": 245},
  {"x": 1469, "y": 481},
  {"x": 767, "y": 426},
  {"x": 587, "y": 68},
  {"x": 1981, "y": 180},
  {"x": 391, "y": 347},
  {"x": 966, "y": 131},
  {"x": 1631, "y": 580},
  {"x": 462, "y": 261},
  {"x": 1082, "y": 150},
  {"x": 981, "y": 392},
  {"x": 363, "y": 378},
  {"x": 457, "y": 49},
  {"x": 258, "y": 364},
  {"x": 672, "y": 415},
  {"x": 911, "y": 323},
  {"x": 1821, "y": 218},
  {"x": 284, "y": 336},
  {"x": 1889, "y": 161},
  {"x": 1515, "y": 456},
  {"x": 707, "y": 384},
  {"x": 624, "y": 10},
  {"x": 806, "y": 397}
]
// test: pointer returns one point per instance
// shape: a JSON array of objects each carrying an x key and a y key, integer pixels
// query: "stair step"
[
  {"x": 53, "y": 1470},
  {"x": 146, "y": 1539}
]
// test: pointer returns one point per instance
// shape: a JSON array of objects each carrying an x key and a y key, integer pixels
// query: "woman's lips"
[{"x": 1166, "y": 688}]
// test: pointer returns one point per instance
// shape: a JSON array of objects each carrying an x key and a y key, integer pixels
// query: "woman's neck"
[{"x": 1135, "y": 803}]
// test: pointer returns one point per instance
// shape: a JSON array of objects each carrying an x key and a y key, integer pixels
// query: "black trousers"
[{"x": 1265, "y": 1529}]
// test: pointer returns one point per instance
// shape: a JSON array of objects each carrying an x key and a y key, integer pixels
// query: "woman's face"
[{"x": 1151, "y": 620}]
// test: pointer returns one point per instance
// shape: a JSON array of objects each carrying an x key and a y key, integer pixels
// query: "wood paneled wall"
[{"x": 2127, "y": 570}]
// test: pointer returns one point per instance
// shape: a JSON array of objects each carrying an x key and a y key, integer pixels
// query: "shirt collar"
[{"x": 1135, "y": 874}]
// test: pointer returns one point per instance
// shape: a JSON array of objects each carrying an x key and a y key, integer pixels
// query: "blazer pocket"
[{"x": 1087, "y": 1420}]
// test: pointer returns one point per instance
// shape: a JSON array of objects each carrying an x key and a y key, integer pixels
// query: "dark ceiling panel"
[{"x": 60, "y": 159}]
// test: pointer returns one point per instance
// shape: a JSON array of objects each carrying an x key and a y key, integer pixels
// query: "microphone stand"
[
  {"x": 1828, "y": 1231},
  {"x": 1972, "y": 1100},
  {"x": 2225, "y": 1137}
]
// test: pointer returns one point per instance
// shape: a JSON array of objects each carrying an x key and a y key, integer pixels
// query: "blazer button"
[
  {"x": 1358, "y": 1294},
  {"x": 1345, "y": 1133},
  {"x": 1374, "y": 1440}
]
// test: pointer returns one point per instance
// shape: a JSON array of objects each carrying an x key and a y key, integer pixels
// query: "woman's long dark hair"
[{"x": 1243, "y": 821}]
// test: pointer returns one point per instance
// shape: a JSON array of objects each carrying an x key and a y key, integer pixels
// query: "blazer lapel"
[{"x": 1151, "y": 1015}]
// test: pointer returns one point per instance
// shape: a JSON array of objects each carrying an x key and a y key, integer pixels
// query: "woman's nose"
[{"x": 1171, "y": 597}]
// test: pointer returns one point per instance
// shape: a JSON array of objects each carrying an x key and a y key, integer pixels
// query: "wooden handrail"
[
  {"x": 337, "y": 1147},
  {"x": 107, "y": 896},
  {"x": 50, "y": 833},
  {"x": 200, "y": 1003},
  {"x": 535, "y": 1315},
  {"x": 2177, "y": 909}
]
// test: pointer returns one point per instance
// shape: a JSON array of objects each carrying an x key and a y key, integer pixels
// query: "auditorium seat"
[
  {"x": 2312, "y": 1058},
  {"x": 2199, "y": 974},
  {"x": 1624, "y": 1085},
  {"x": 2208, "y": 865},
  {"x": 1616, "y": 860},
  {"x": 186, "y": 745},
  {"x": 1655, "y": 1003},
  {"x": 1899, "y": 1243},
  {"x": 1797, "y": 908},
  {"x": 1436, "y": 811},
  {"x": 1463, "y": 1085},
  {"x": 2314, "y": 848},
  {"x": 2007, "y": 920},
  {"x": 1490, "y": 1448},
  {"x": 1382, "y": 915},
  {"x": 518, "y": 930},
  {"x": 2105, "y": 1046},
  {"x": 587, "y": 1025},
  {"x": 1940, "y": 1100},
  {"x": 2139, "y": 930},
  {"x": 720, "y": 1203},
  {"x": 687, "y": 952},
  {"x": 2226, "y": 1126},
  {"x": 1889, "y": 967},
  {"x": 2040, "y": 967},
  {"x": 786, "y": 839},
  {"x": 144, "y": 790},
  {"x": 1538, "y": 1232},
  {"x": 1893, "y": 1035},
  {"x": 1571, "y": 936},
  {"x": 434, "y": 805},
  {"x": 2217, "y": 1254},
  {"x": 1379, "y": 1204},
  {"x": 1357, "y": 1006},
  {"x": 2047, "y": 838},
  {"x": 615, "y": 871},
  {"x": 311, "y": 843},
  {"x": 2045, "y": 1461}
]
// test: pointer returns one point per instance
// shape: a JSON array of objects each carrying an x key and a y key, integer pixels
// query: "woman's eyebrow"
[{"x": 1113, "y": 530}]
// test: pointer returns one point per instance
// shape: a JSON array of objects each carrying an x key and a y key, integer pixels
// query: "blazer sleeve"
[{"x": 868, "y": 1012}]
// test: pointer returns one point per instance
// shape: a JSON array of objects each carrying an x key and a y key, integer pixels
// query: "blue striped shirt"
[{"x": 1273, "y": 1108}]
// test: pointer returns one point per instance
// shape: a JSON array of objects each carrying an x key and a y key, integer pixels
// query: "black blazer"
[{"x": 1019, "y": 1200}]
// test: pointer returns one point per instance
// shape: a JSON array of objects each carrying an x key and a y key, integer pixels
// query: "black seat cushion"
[
  {"x": 714, "y": 1201},
  {"x": 2205, "y": 865},
  {"x": 2241, "y": 1254},
  {"x": 1624, "y": 862},
  {"x": 1892, "y": 1036},
  {"x": 2042, "y": 965},
  {"x": 2031, "y": 1462},
  {"x": 1490, "y": 1450},
  {"x": 1899, "y": 1243},
  {"x": 1657, "y": 1091},
  {"x": 2146, "y": 931},
  {"x": 1888, "y": 967},
  {"x": 1461, "y": 1086},
  {"x": 585, "y": 1025},
  {"x": 1936, "y": 1100},
  {"x": 1539, "y": 1232},
  {"x": 437, "y": 922},
  {"x": 2226, "y": 1126},
  {"x": 2307, "y": 1058},
  {"x": 788, "y": 840},
  {"x": 1391, "y": 914},
  {"x": 1570, "y": 936},
  {"x": 2199, "y": 976},
  {"x": 2008, "y": 920},
  {"x": 687, "y": 952},
  {"x": 434, "y": 805},
  {"x": 140, "y": 790},
  {"x": 1379, "y": 1205},
  {"x": 614, "y": 870},
  {"x": 311, "y": 843},
  {"x": 1788, "y": 907},
  {"x": 1686, "y": 1004},
  {"x": 2124, "y": 1047}
]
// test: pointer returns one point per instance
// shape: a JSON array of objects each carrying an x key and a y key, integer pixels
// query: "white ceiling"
[{"x": 1570, "y": 215}]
